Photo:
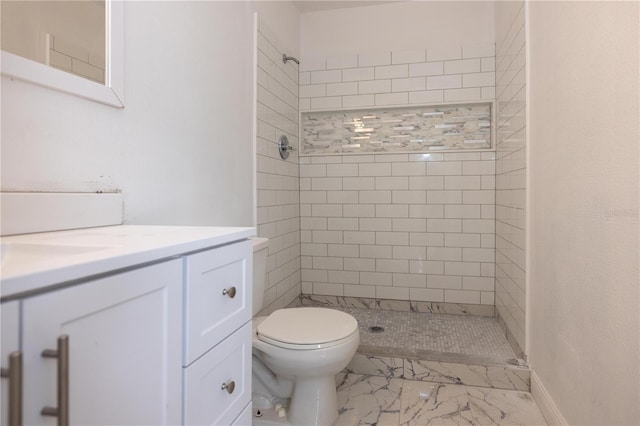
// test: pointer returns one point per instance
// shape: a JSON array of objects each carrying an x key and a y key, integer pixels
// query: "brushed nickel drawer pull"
[
  {"x": 14, "y": 374},
  {"x": 62, "y": 354},
  {"x": 230, "y": 386},
  {"x": 229, "y": 292}
]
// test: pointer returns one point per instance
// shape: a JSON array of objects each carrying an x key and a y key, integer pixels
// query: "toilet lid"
[{"x": 307, "y": 326}]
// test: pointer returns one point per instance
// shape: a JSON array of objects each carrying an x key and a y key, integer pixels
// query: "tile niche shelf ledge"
[{"x": 445, "y": 127}]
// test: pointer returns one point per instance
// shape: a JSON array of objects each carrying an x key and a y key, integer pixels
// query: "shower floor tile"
[{"x": 441, "y": 337}]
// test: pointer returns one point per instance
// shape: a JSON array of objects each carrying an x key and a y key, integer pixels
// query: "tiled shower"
[{"x": 399, "y": 228}]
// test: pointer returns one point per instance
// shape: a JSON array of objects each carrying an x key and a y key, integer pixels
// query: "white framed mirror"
[{"x": 103, "y": 80}]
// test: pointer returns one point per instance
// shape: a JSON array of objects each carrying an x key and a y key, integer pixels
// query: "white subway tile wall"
[
  {"x": 278, "y": 180},
  {"x": 510, "y": 167},
  {"x": 431, "y": 75},
  {"x": 399, "y": 226}
]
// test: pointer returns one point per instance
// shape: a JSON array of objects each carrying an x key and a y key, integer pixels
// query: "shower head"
[{"x": 286, "y": 58}]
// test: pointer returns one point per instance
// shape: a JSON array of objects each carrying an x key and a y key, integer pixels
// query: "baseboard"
[{"x": 547, "y": 406}]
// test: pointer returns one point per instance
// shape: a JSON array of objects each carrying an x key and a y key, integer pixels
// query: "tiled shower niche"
[{"x": 404, "y": 129}]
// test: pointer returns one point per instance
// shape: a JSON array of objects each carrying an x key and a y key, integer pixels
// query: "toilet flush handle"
[{"x": 231, "y": 292}]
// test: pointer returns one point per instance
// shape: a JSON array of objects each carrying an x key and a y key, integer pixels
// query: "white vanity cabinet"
[
  {"x": 123, "y": 349},
  {"x": 152, "y": 334}
]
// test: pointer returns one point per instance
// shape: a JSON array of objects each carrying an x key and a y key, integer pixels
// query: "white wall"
[
  {"x": 181, "y": 150},
  {"x": 396, "y": 26},
  {"x": 584, "y": 301}
]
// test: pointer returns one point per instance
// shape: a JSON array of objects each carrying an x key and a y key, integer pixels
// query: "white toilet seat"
[
  {"x": 295, "y": 347},
  {"x": 307, "y": 328}
]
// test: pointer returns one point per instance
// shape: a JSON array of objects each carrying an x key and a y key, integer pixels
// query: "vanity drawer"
[
  {"x": 218, "y": 296},
  {"x": 206, "y": 402}
]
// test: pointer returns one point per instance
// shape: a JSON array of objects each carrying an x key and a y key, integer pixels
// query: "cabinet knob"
[
  {"x": 14, "y": 374},
  {"x": 230, "y": 386},
  {"x": 231, "y": 292}
]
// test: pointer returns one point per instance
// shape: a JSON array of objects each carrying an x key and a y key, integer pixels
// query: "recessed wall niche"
[{"x": 455, "y": 127}]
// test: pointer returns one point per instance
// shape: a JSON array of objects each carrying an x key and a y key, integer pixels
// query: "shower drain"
[{"x": 376, "y": 329}]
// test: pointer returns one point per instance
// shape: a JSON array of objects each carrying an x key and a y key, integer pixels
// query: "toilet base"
[{"x": 314, "y": 401}]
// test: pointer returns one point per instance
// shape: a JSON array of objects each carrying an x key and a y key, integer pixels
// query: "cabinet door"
[
  {"x": 10, "y": 316},
  {"x": 124, "y": 348}
]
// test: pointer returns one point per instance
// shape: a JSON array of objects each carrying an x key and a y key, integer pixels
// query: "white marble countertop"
[{"x": 33, "y": 262}]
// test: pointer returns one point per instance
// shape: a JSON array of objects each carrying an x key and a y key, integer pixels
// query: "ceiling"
[{"x": 305, "y": 6}]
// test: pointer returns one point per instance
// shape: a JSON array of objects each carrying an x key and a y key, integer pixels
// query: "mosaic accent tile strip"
[
  {"x": 395, "y": 305},
  {"x": 450, "y": 127}
]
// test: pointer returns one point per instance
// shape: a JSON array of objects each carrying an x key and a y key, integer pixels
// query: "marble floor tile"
[
  {"x": 376, "y": 365},
  {"x": 428, "y": 403},
  {"x": 381, "y": 401},
  {"x": 368, "y": 400}
]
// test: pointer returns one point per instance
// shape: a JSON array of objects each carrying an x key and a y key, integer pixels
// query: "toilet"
[{"x": 296, "y": 354}]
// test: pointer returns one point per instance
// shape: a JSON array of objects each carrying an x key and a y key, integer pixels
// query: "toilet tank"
[{"x": 260, "y": 253}]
